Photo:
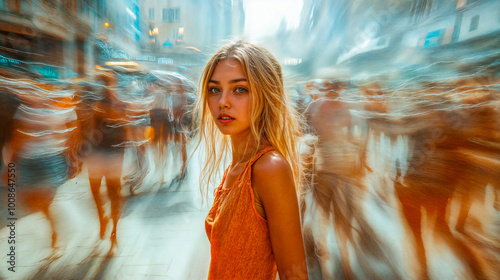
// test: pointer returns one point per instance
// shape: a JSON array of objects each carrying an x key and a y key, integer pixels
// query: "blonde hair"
[{"x": 272, "y": 116}]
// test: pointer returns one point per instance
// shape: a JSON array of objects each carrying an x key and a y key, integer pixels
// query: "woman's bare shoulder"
[
  {"x": 271, "y": 162},
  {"x": 272, "y": 174}
]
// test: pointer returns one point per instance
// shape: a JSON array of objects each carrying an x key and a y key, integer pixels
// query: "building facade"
[
  {"x": 459, "y": 21},
  {"x": 194, "y": 23},
  {"x": 425, "y": 24},
  {"x": 180, "y": 33},
  {"x": 51, "y": 39}
]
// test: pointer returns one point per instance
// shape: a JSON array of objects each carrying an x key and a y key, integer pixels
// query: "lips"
[{"x": 225, "y": 118}]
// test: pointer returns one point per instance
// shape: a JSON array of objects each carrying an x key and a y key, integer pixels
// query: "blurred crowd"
[
  {"x": 398, "y": 170},
  {"x": 54, "y": 130},
  {"x": 394, "y": 169}
]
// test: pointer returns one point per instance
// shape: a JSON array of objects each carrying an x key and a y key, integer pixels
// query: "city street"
[
  {"x": 384, "y": 117},
  {"x": 160, "y": 236}
]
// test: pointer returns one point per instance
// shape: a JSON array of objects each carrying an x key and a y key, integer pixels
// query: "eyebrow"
[{"x": 231, "y": 81}]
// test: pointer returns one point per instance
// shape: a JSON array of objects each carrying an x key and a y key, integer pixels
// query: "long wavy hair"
[{"x": 273, "y": 118}]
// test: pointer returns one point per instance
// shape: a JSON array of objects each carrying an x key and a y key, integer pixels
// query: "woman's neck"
[{"x": 243, "y": 150}]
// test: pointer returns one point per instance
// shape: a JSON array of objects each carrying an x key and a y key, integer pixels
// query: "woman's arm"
[{"x": 273, "y": 181}]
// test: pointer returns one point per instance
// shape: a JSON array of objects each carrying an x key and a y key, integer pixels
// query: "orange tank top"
[{"x": 239, "y": 236}]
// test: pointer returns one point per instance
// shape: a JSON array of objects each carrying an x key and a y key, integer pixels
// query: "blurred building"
[
  {"x": 122, "y": 27},
  {"x": 478, "y": 18},
  {"x": 422, "y": 29},
  {"x": 179, "y": 32},
  {"x": 365, "y": 34},
  {"x": 458, "y": 21},
  {"x": 52, "y": 39}
]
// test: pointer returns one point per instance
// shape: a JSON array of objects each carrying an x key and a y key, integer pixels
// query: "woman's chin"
[{"x": 225, "y": 131}]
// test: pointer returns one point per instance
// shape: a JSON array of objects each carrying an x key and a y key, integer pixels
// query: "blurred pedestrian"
[{"x": 108, "y": 130}]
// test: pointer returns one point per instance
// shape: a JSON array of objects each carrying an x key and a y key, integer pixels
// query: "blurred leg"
[
  {"x": 114, "y": 189},
  {"x": 457, "y": 245},
  {"x": 466, "y": 199},
  {"x": 95, "y": 186},
  {"x": 184, "y": 157},
  {"x": 40, "y": 199},
  {"x": 113, "y": 184},
  {"x": 413, "y": 216}
]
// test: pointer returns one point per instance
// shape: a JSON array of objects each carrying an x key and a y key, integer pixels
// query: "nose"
[{"x": 224, "y": 100}]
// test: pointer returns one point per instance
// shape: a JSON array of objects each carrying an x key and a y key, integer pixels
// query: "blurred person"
[
  {"x": 436, "y": 170},
  {"x": 137, "y": 94},
  {"x": 84, "y": 99},
  {"x": 327, "y": 106},
  {"x": 378, "y": 130},
  {"x": 181, "y": 109},
  {"x": 9, "y": 103},
  {"x": 39, "y": 148},
  {"x": 170, "y": 116},
  {"x": 482, "y": 148},
  {"x": 337, "y": 193},
  {"x": 107, "y": 129},
  {"x": 376, "y": 105},
  {"x": 162, "y": 121},
  {"x": 254, "y": 224}
]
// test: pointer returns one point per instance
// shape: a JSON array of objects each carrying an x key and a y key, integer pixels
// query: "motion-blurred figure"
[
  {"x": 39, "y": 148},
  {"x": 437, "y": 169},
  {"x": 107, "y": 131},
  {"x": 376, "y": 155},
  {"x": 337, "y": 193},
  {"x": 170, "y": 117},
  {"x": 182, "y": 100},
  {"x": 8, "y": 106},
  {"x": 481, "y": 129}
]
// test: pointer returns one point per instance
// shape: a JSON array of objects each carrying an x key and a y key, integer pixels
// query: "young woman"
[{"x": 254, "y": 225}]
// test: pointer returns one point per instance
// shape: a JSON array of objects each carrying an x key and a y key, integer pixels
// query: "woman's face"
[{"x": 229, "y": 98}]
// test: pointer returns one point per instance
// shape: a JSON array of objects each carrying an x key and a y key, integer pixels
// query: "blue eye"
[
  {"x": 240, "y": 90},
  {"x": 213, "y": 90}
]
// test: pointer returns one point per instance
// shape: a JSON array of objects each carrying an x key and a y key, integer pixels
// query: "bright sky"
[{"x": 263, "y": 17}]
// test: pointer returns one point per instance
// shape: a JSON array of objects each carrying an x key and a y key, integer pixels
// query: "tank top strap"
[
  {"x": 255, "y": 158},
  {"x": 259, "y": 154}
]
